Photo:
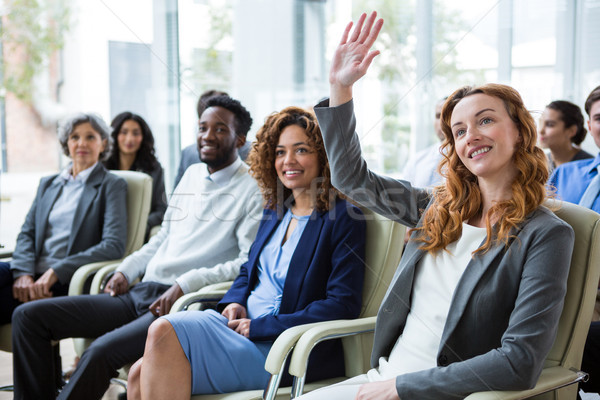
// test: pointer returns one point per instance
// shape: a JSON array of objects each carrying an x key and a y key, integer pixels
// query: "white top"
[
  {"x": 61, "y": 216},
  {"x": 421, "y": 168},
  {"x": 436, "y": 278},
  {"x": 207, "y": 231}
]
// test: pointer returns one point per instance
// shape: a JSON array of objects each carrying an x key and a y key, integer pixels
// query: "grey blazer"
[
  {"x": 99, "y": 229},
  {"x": 504, "y": 314}
]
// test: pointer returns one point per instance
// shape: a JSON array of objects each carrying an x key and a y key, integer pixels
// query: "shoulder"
[
  {"x": 543, "y": 222},
  {"x": 344, "y": 213},
  {"x": 574, "y": 167},
  {"x": 190, "y": 151},
  {"x": 243, "y": 175}
]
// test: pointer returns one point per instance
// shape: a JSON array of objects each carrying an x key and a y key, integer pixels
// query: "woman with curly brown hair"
[
  {"x": 476, "y": 300},
  {"x": 304, "y": 266}
]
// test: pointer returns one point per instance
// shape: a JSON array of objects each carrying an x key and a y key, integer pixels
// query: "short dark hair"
[
  {"x": 591, "y": 99},
  {"x": 570, "y": 115},
  {"x": 201, "y": 106},
  {"x": 243, "y": 120}
]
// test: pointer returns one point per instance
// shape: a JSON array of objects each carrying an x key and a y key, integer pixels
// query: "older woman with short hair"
[{"x": 78, "y": 217}]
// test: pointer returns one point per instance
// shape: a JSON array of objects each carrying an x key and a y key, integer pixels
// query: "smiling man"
[{"x": 206, "y": 234}]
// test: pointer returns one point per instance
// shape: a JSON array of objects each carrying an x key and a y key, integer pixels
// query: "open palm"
[{"x": 353, "y": 57}]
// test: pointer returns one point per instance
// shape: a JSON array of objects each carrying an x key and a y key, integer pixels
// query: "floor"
[{"x": 68, "y": 354}]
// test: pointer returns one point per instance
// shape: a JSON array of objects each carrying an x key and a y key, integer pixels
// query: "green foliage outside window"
[{"x": 32, "y": 31}]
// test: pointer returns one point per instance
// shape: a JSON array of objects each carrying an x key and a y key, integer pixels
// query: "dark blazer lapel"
[
  {"x": 301, "y": 260},
  {"x": 88, "y": 195},
  {"x": 41, "y": 219}
]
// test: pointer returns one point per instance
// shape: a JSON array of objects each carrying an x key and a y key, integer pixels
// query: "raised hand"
[{"x": 353, "y": 57}]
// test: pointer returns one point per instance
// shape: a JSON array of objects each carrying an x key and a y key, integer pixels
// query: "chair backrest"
[
  {"x": 384, "y": 244},
  {"x": 582, "y": 286},
  {"x": 139, "y": 199}
]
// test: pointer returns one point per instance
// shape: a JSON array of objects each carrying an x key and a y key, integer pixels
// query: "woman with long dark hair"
[{"x": 134, "y": 151}]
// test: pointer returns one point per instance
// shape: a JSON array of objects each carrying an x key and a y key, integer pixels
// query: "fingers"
[
  {"x": 364, "y": 33},
  {"x": 364, "y": 65},
  {"x": 155, "y": 308},
  {"x": 346, "y": 32},
  {"x": 357, "y": 29},
  {"x": 370, "y": 39}
]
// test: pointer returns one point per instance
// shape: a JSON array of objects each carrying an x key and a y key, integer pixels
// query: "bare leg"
[
  {"x": 133, "y": 381},
  {"x": 165, "y": 372}
]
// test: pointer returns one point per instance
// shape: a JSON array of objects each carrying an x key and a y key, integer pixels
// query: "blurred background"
[{"x": 156, "y": 57}]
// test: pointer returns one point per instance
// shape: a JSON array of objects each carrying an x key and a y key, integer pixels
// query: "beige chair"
[
  {"x": 385, "y": 240},
  {"x": 562, "y": 364},
  {"x": 139, "y": 197}
]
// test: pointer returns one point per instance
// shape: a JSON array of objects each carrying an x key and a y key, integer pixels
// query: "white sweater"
[{"x": 206, "y": 233}]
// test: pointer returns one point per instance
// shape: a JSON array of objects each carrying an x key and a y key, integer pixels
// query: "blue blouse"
[{"x": 273, "y": 264}]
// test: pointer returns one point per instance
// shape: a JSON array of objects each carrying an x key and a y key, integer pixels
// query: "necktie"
[{"x": 592, "y": 191}]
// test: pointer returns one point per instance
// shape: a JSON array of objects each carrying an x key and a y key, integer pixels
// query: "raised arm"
[{"x": 353, "y": 57}]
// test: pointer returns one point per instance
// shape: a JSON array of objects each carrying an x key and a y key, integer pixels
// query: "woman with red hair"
[{"x": 476, "y": 299}]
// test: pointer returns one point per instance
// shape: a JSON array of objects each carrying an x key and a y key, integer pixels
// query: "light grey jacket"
[
  {"x": 504, "y": 314},
  {"x": 99, "y": 229}
]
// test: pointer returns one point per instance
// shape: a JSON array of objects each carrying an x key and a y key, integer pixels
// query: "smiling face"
[
  {"x": 594, "y": 122},
  {"x": 553, "y": 134},
  {"x": 85, "y": 146},
  {"x": 130, "y": 137},
  {"x": 296, "y": 161},
  {"x": 485, "y": 138},
  {"x": 217, "y": 139}
]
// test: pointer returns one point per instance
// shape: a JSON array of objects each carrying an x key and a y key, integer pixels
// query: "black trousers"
[
  {"x": 8, "y": 303},
  {"x": 119, "y": 323},
  {"x": 591, "y": 359}
]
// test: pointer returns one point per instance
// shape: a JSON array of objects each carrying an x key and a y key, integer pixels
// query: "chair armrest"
[
  {"x": 83, "y": 273},
  {"x": 325, "y": 331},
  {"x": 210, "y": 293},
  {"x": 551, "y": 378},
  {"x": 101, "y": 275},
  {"x": 284, "y": 343}
]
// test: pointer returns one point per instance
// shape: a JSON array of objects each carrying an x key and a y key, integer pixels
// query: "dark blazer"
[
  {"x": 504, "y": 314},
  {"x": 99, "y": 229},
  {"x": 324, "y": 280}
]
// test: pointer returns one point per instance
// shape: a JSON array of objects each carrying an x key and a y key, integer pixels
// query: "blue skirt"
[{"x": 221, "y": 359}]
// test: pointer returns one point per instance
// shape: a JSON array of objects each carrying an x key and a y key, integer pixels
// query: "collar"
[
  {"x": 66, "y": 176},
  {"x": 594, "y": 164},
  {"x": 224, "y": 175}
]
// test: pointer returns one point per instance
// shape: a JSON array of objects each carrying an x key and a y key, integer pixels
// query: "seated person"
[
  {"x": 476, "y": 300},
  {"x": 421, "y": 168},
  {"x": 579, "y": 181},
  {"x": 78, "y": 217},
  {"x": 134, "y": 151},
  {"x": 189, "y": 155},
  {"x": 304, "y": 266},
  {"x": 562, "y": 131},
  {"x": 210, "y": 223}
]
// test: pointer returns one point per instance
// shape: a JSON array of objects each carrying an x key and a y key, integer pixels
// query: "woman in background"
[
  {"x": 562, "y": 131},
  {"x": 134, "y": 151}
]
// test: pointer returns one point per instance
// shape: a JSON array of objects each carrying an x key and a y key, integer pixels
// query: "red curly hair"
[
  {"x": 262, "y": 158},
  {"x": 459, "y": 199}
]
